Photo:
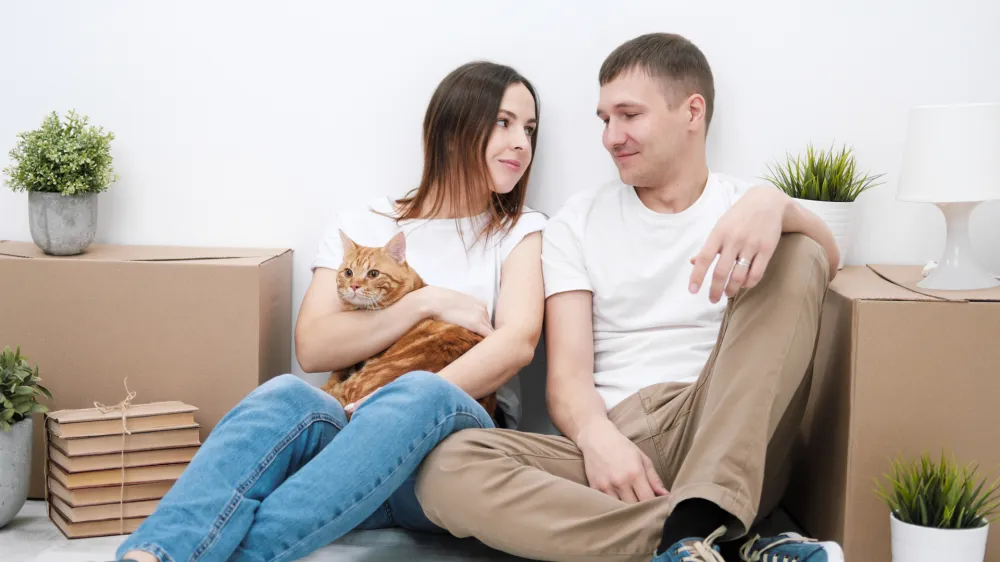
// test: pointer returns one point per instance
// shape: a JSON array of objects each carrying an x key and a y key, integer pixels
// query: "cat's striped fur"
[{"x": 429, "y": 346}]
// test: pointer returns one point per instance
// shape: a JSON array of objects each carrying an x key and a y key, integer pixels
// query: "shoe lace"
[
  {"x": 702, "y": 551},
  {"x": 749, "y": 555}
]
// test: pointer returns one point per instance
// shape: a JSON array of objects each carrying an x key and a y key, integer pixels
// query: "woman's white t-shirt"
[{"x": 440, "y": 256}]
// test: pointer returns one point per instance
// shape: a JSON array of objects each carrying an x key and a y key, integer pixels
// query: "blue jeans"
[{"x": 284, "y": 474}]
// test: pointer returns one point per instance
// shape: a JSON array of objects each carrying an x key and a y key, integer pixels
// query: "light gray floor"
[{"x": 31, "y": 537}]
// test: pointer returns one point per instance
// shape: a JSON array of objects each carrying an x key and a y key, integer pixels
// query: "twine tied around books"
[{"x": 123, "y": 405}]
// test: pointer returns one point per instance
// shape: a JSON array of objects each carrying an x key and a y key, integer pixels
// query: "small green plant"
[
  {"x": 942, "y": 495},
  {"x": 19, "y": 389},
  {"x": 821, "y": 176},
  {"x": 68, "y": 157}
]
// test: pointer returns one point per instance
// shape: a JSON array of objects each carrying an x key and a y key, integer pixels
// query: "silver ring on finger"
[{"x": 743, "y": 261}]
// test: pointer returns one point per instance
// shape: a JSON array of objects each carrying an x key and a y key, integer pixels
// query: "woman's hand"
[
  {"x": 456, "y": 308},
  {"x": 350, "y": 408}
]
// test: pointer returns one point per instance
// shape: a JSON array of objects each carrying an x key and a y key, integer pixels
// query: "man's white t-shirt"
[
  {"x": 648, "y": 327},
  {"x": 437, "y": 253}
]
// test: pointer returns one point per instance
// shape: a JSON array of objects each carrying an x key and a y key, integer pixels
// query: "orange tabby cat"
[{"x": 373, "y": 278}]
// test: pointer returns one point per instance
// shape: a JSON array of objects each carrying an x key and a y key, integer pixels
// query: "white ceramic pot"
[
  {"x": 839, "y": 217},
  {"x": 913, "y": 543}
]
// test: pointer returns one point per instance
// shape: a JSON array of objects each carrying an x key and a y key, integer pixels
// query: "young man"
[{"x": 682, "y": 309}]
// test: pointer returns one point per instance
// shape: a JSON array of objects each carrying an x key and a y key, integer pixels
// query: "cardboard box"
[
  {"x": 899, "y": 370},
  {"x": 200, "y": 325}
]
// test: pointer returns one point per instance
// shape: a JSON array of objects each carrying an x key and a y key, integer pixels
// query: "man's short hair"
[{"x": 671, "y": 57}]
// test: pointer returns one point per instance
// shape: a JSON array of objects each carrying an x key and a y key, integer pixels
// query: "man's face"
[{"x": 643, "y": 133}]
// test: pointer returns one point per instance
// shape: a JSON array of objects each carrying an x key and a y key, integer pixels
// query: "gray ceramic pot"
[
  {"x": 62, "y": 225},
  {"x": 15, "y": 468}
]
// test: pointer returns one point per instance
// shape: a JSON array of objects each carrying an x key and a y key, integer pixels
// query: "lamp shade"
[{"x": 951, "y": 154}]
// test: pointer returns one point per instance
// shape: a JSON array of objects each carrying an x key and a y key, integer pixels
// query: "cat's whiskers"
[
  {"x": 378, "y": 302},
  {"x": 374, "y": 302}
]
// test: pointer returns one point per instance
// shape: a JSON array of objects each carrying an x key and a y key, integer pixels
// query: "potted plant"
[
  {"x": 938, "y": 511},
  {"x": 826, "y": 183},
  {"x": 20, "y": 390},
  {"x": 63, "y": 166}
]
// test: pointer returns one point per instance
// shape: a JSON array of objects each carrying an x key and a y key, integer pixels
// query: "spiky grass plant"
[
  {"x": 823, "y": 175},
  {"x": 942, "y": 495}
]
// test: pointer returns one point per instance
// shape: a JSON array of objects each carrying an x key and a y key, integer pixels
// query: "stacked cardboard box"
[
  {"x": 103, "y": 480},
  {"x": 899, "y": 371},
  {"x": 204, "y": 326}
]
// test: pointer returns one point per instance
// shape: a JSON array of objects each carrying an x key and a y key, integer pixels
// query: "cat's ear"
[
  {"x": 348, "y": 243},
  {"x": 396, "y": 247}
]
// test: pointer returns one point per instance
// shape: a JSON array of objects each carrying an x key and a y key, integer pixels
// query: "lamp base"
[{"x": 958, "y": 269}]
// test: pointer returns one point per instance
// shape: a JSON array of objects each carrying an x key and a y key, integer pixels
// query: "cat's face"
[{"x": 374, "y": 278}]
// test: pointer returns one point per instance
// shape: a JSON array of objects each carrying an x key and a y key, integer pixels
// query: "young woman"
[{"x": 284, "y": 473}]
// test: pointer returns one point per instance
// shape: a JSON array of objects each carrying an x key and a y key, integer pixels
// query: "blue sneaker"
[
  {"x": 790, "y": 547},
  {"x": 694, "y": 549}
]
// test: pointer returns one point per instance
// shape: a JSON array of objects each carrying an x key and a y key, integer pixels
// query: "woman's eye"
[
  {"x": 373, "y": 273},
  {"x": 348, "y": 272},
  {"x": 502, "y": 122},
  {"x": 530, "y": 131},
  {"x": 630, "y": 115}
]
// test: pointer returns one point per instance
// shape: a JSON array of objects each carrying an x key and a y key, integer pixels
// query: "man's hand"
[
  {"x": 744, "y": 239},
  {"x": 615, "y": 466}
]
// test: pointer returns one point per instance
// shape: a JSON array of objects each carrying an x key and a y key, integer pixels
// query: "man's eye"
[
  {"x": 348, "y": 272},
  {"x": 373, "y": 273}
]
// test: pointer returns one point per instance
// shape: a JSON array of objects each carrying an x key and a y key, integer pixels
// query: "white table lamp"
[{"x": 952, "y": 159}]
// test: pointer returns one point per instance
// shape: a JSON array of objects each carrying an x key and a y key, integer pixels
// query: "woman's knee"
[
  {"x": 294, "y": 393},
  {"x": 422, "y": 391},
  {"x": 283, "y": 384},
  {"x": 420, "y": 385}
]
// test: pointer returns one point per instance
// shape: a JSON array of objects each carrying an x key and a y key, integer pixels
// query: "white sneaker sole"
[{"x": 833, "y": 551}]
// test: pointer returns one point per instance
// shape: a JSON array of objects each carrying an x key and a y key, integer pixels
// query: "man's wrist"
[
  {"x": 791, "y": 213},
  {"x": 588, "y": 429},
  {"x": 797, "y": 219}
]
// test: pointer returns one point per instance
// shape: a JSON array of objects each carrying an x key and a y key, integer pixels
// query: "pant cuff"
[
  {"x": 151, "y": 548},
  {"x": 737, "y": 507}
]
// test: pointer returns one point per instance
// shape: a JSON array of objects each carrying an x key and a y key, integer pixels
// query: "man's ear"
[
  {"x": 697, "y": 110},
  {"x": 396, "y": 247}
]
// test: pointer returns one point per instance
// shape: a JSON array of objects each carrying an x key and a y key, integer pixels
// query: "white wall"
[{"x": 245, "y": 123}]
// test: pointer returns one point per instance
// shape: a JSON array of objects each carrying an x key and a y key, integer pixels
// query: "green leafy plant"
[
  {"x": 67, "y": 157},
  {"x": 942, "y": 495},
  {"x": 821, "y": 176},
  {"x": 19, "y": 389}
]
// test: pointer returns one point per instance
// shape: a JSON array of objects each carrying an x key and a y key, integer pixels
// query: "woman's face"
[{"x": 508, "y": 151}]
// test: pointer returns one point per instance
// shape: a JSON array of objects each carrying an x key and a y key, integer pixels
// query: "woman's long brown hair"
[{"x": 460, "y": 118}]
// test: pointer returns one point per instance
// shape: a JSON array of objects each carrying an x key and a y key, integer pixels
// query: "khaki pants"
[{"x": 725, "y": 438}]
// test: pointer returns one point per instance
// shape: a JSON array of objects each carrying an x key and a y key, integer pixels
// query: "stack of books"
[{"x": 103, "y": 481}]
